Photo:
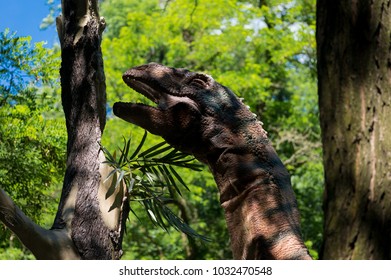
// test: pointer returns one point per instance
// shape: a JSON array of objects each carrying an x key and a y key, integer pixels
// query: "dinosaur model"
[{"x": 199, "y": 116}]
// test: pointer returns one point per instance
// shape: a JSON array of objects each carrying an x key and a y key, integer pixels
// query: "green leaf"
[
  {"x": 152, "y": 215},
  {"x": 152, "y": 149},
  {"x": 179, "y": 225},
  {"x": 158, "y": 152},
  {"x": 164, "y": 175},
  {"x": 108, "y": 155},
  {"x": 112, "y": 172},
  {"x": 135, "y": 153},
  {"x": 178, "y": 177},
  {"x": 171, "y": 155},
  {"x": 120, "y": 178},
  {"x": 171, "y": 179},
  {"x": 125, "y": 151},
  {"x": 113, "y": 185}
]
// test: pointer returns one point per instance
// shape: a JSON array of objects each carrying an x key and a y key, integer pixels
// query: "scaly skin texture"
[{"x": 199, "y": 116}]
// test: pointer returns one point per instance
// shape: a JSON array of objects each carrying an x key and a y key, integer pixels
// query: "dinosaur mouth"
[
  {"x": 143, "y": 88},
  {"x": 156, "y": 93}
]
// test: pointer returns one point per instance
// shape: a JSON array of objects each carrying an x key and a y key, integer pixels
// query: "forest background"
[{"x": 263, "y": 50}]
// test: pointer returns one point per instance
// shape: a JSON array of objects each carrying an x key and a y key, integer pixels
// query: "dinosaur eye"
[{"x": 200, "y": 81}]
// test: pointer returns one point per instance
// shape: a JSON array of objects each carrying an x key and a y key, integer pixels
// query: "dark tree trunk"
[
  {"x": 354, "y": 74},
  {"x": 84, "y": 104}
]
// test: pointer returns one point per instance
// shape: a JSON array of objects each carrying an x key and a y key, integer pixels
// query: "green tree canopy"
[{"x": 32, "y": 140}]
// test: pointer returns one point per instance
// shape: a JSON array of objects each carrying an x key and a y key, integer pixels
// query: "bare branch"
[{"x": 44, "y": 244}]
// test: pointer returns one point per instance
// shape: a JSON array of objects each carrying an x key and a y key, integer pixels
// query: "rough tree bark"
[
  {"x": 354, "y": 73},
  {"x": 90, "y": 220}
]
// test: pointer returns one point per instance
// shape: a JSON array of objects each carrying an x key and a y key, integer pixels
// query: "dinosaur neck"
[{"x": 258, "y": 200}]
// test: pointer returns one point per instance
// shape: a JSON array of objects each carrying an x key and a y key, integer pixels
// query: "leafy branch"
[{"x": 151, "y": 179}]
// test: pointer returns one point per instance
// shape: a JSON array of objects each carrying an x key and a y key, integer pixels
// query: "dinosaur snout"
[
  {"x": 120, "y": 109},
  {"x": 117, "y": 108}
]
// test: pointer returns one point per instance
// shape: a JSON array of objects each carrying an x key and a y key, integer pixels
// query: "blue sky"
[{"x": 24, "y": 17}]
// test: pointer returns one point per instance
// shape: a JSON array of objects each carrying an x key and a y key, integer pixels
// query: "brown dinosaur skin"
[{"x": 199, "y": 116}]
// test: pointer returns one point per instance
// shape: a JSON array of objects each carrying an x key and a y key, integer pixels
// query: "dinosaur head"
[{"x": 193, "y": 112}]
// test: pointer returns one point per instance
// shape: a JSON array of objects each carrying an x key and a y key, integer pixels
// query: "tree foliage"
[
  {"x": 32, "y": 141},
  {"x": 152, "y": 180}
]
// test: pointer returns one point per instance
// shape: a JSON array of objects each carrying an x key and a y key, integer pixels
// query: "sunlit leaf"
[
  {"x": 178, "y": 177},
  {"x": 140, "y": 145},
  {"x": 152, "y": 215},
  {"x": 152, "y": 149}
]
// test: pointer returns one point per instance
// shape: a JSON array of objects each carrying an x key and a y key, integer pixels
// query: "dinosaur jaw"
[
  {"x": 145, "y": 89},
  {"x": 154, "y": 92}
]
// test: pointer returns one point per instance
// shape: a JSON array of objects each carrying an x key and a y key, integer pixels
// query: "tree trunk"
[
  {"x": 354, "y": 76},
  {"x": 84, "y": 104}
]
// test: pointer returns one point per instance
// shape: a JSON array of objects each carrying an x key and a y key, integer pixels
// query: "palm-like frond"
[{"x": 151, "y": 179}]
